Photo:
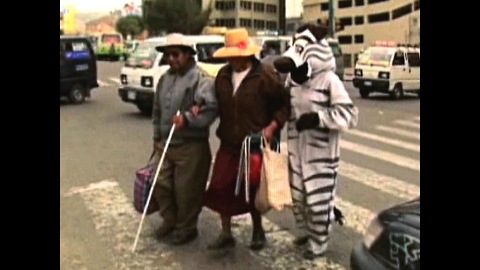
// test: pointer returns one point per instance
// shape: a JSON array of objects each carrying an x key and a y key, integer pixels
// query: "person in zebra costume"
[{"x": 320, "y": 109}]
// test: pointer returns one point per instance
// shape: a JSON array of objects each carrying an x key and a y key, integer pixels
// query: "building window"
[
  {"x": 272, "y": 25},
  {"x": 246, "y": 5},
  {"x": 359, "y": 20},
  {"x": 324, "y": 6},
  {"x": 375, "y": 1},
  {"x": 259, "y": 7},
  {"x": 347, "y": 60},
  {"x": 225, "y": 22},
  {"x": 401, "y": 11},
  {"x": 245, "y": 22},
  {"x": 346, "y": 21},
  {"x": 345, "y": 39},
  {"x": 358, "y": 39},
  {"x": 359, "y": 3},
  {"x": 225, "y": 5},
  {"x": 416, "y": 5},
  {"x": 271, "y": 8},
  {"x": 344, "y": 3},
  {"x": 259, "y": 24},
  {"x": 379, "y": 17}
]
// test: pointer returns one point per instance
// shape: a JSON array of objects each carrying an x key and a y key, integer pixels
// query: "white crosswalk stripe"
[
  {"x": 116, "y": 80},
  {"x": 398, "y": 131},
  {"x": 102, "y": 83},
  {"x": 116, "y": 221},
  {"x": 398, "y": 143},
  {"x": 407, "y": 123}
]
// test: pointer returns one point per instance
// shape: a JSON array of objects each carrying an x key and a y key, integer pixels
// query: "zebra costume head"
[{"x": 309, "y": 55}]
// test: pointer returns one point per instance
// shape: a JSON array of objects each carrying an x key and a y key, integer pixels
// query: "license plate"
[
  {"x": 132, "y": 95},
  {"x": 368, "y": 83}
]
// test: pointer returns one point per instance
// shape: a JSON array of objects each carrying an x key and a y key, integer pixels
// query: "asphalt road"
[{"x": 104, "y": 141}]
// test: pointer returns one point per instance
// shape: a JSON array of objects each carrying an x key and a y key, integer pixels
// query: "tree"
[
  {"x": 130, "y": 25},
  {"x": 184, "y": 16}
]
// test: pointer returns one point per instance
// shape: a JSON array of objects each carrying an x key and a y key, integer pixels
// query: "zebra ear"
[{"x": 319, "y": 31}]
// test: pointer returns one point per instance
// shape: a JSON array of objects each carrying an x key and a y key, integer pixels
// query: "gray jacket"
[{"x": 177, "y": 91}]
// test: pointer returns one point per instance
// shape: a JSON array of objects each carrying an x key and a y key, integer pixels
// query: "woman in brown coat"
[{"x": 251, "y": 99}]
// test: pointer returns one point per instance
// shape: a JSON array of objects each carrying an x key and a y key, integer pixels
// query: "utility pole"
[{"x": 331, "y": 18}]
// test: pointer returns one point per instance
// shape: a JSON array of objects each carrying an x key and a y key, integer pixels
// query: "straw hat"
[
  {"x": 176, "y": 40},
  {"x": 237, "y": 44}
]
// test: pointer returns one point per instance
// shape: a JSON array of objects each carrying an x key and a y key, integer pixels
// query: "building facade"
[
  {"x": 255, "y": 16},
  {"x": 367, "y": 21}
]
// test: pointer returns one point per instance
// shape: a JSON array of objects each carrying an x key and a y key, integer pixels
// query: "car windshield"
[
  {"x": 145, "y": 51},
  {"x": 205, "y": 52},
  {"x": 375, "y": 57}
]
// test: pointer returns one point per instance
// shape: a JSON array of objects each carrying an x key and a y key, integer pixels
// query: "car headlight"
[
  {"x": 384, "y": 75},
  {"x": 123, "y": 79},
  {"x": 147, "y": 81},
  {"x": 374, "y": 231},
  {"x": 358, "y": 72}
]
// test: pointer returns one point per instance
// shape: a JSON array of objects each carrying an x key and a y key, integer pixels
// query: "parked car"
[
  {"x": 78, "y": 68},
  {"x": 392, "y": 241}
]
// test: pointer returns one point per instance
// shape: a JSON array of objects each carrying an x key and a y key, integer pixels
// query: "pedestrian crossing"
[
  {"x": 396, "y": 143},
  {"x": 111, "y": 81}
]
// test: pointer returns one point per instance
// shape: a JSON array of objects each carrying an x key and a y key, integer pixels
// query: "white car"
[
  {"x": 388, "y": 68},
  {"x": 143, "y": 69}
]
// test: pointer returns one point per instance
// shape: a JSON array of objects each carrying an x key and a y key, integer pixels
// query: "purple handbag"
[{"x": 141, "y": 189}]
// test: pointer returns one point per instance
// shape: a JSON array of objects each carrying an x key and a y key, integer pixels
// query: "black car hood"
[{"x": 407, "y": 213}]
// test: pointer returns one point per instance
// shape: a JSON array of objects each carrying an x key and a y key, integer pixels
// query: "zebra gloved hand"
[{"x": 308, "y": 121}]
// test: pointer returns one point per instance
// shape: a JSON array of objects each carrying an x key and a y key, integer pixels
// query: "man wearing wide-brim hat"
[
  {"x": 251, "y": 100},
  {"x": 184, "y": 173}
]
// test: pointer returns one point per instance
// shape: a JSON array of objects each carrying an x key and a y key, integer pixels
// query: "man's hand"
[
  {"x": 179, "y": 121},
  {"x": 270, "y": 130},
  {"x": 308, "y": 121},
  {"x": 195, "y": 110}
]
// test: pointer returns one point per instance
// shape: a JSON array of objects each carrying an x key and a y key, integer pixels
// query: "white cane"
[{"x": 153, "y": 184}]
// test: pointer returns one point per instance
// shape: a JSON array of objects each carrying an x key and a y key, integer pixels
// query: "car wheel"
[
  {"x": 145, "y": 109},
  {"x": 77, "y": 94},
  {"x": 364, "y": 92},
  {"x": 397, "y": 92}
]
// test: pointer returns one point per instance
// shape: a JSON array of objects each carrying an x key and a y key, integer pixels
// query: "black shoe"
[
  {"x": 300, "y": 241},
  {"x": 164, "y": 231},
  {"x": 222, "y": 242},
  {"x": 258, "y": 241},
  {"x": 309, "y": 255},
  {"x": 181, "y": 238}
]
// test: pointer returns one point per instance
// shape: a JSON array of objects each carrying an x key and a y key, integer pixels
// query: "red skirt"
[{"x": 220, "y": 196}]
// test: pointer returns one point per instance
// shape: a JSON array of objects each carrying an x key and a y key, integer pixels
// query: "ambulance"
[{"x": 390, "y": 68}]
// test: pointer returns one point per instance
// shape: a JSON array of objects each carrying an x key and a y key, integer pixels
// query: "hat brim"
[
  {"x": 163, "y": 48},
  {"x": 226, "y": 52}
]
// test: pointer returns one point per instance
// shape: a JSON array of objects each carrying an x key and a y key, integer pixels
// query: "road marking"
[
  {"x": 102, "y": 83},
  {"x": 398, "y": 143},
  {"x": 407, "y": 123},
  {"x": 382, "y": 155},
  {"x": 356, "y": 217},
  {"x": 401, "y": 132},
  {"x": 116, "y": 223},
  {"x": 383, "y": 183},
  {"x": 417, "y": 118},
  {"x": 116, "y": 80},
  {"x": 280, "y": 253}
]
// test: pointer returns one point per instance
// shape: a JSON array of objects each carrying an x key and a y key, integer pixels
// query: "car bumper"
[
  {"x": 372, "y": 84},
  {"x": 361, "y": 259},
  {"x": 136, "y": 95}
]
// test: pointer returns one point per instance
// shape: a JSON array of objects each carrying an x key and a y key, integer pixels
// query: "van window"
[
  {"x": 413, "y": 59},
  {"x": 145, "y": 52},
  {"x": 398, "y": 59},
  {"x": 77, "y": 50},
  {"x": 205, "y": 52},
  {"x": 111, "y": 39}
]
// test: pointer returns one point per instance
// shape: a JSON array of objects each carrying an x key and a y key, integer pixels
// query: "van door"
[
  {"x": 399, "y": 72},
  {"x": 80, "y": 62},
  {"x": 414, "y": 69}
]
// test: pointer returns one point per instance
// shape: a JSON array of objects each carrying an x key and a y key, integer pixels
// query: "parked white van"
[
  {"x": 388, "y": 68},
  {"x": 143, "y": 69}
]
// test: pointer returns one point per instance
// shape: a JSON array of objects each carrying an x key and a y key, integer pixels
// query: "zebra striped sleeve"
[{"x": 343, "y": 114}]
